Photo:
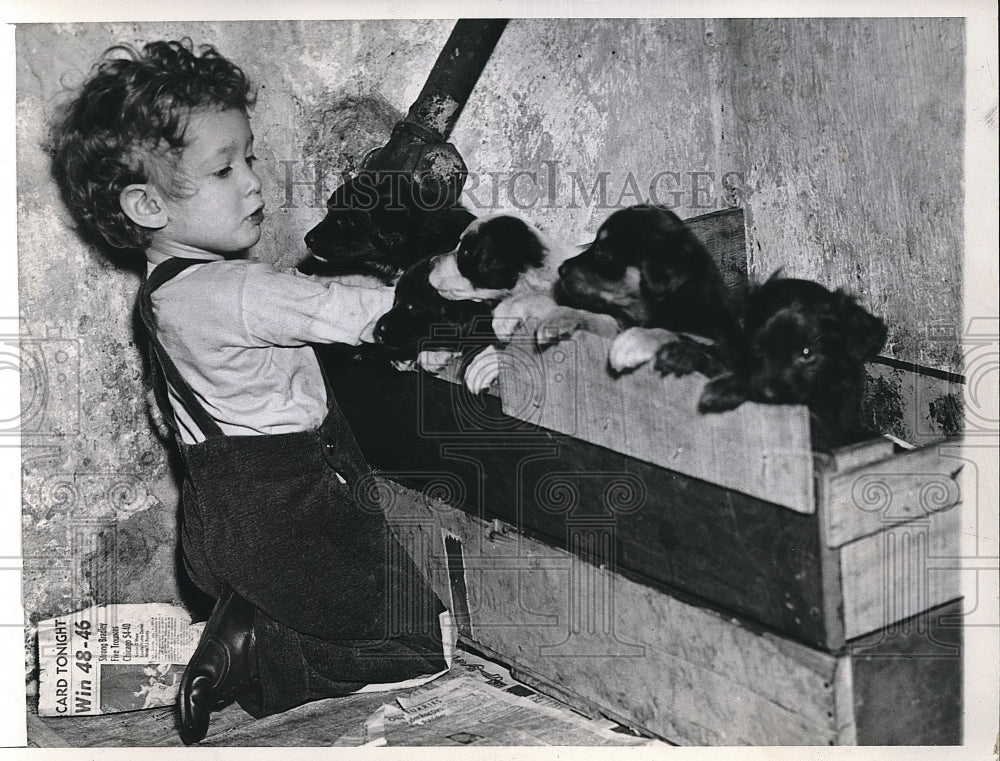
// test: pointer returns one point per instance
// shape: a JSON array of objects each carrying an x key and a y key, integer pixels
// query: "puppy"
[
  {"x": 802, "y": 344},
  {"x": 647, "y": 269},
  {"x": 378, "y": 224},
  {"x": 426, "y": 328},
  {"x": 493, "y": 255},
  {"x": 510, "y": 262},
  {"x": 506, "y": 258}
]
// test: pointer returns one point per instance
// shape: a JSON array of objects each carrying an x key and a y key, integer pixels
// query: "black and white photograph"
[{"x": 485, "y": 376}]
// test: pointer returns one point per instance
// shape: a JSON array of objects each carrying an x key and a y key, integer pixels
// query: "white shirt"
[{"x": 238, "y": 332}]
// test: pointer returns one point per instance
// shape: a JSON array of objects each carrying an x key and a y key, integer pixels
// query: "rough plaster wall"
[
  {"x": 851, "y": 131},
  {"x": 634, "y": 102},
  {"x": 782, "y": 102}
]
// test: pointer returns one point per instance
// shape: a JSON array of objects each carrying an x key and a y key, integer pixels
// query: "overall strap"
[{"x": 163, "y": 370}]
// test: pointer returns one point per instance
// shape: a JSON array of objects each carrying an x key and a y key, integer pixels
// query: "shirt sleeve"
[{"x": 288, "y": 309}]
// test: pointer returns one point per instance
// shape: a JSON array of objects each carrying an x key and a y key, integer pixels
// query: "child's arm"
[{"x": 283, "y": 309}]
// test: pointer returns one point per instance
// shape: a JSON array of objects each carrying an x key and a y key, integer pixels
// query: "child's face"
[{"x": 222, "y": 208}]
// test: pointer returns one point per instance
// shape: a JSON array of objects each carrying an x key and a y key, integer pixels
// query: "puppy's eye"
[{"x": 807, "y": 354}]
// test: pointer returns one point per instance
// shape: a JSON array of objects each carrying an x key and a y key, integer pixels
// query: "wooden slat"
[
  {"x": 900, "y": 572},
  {"x": 844, "y": 703},
  {"x": 862, "y": 453},
  {"x": 724, "y": 235},
  {"x": 907, "y": 681},
  {"x": 761, "y": 450},
  {"x": 873, "y": 496},
  {"x": 680, "y": 671}
]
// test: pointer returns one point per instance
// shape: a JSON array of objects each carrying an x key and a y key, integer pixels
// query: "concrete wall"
[{"x": 845, "y": 138}]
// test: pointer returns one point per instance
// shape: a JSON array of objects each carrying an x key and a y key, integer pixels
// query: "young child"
[{"x": 280, "y": 521}]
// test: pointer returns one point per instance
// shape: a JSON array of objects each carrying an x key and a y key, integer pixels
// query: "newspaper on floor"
[
  {"x": 480, "y": 704},
  {"x": 113, "y": 658}
]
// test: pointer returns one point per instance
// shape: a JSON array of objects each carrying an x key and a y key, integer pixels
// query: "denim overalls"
[{"x": 339, "y": 603}]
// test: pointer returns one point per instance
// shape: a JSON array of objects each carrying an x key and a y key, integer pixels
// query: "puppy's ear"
[
  {"x": 658, "y": 278},
  {"x": 865, "y": 331},
  {"x": 667, "y": 264},
  {"x": 776, "y": 275}
]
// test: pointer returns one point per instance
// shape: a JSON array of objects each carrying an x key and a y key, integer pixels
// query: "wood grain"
[
  {"x": 868, "y": 498},
  {"x": 760, "y": 450},
  {"x": 683, "y": 672},
  {"x": 606, "y": 644},
  {"x": 900, "y": 572},
  {"x": 724, "y": 235}
]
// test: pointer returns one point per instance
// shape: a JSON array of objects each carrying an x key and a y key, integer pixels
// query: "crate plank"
[
  {"x": 603, "y": 637},
  {"x": 901, "y": 487},
  {"x": 760, "y": 450},
  {"x": 724, "y": 235},
  {"x": 900, "y": 572},
  {"x": 907, "y": 680}
]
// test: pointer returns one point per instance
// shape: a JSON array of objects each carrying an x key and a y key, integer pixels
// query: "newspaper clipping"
[{"x": 113, "y": 658}]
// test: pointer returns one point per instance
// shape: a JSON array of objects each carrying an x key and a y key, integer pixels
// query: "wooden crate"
[
  {"x": 873, "y": 544},
  {"x": 749, "y": 590},
  {"x": 883, "y": 513},
  {"x": 668, "y": 666}
]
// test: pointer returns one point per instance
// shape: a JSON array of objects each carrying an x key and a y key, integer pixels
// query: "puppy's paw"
[
  {"x": 437, "y": 360},
  {"x": 482, "y": 370},
  {"x": 521, "y": 310},
  {"x": 634, "y": 347},
  {"x": 404, "y": 365},
  {"x": 683, "y": 355},
  {"x": 727, "y": 392},
  {"x": 562, "y": 322}
]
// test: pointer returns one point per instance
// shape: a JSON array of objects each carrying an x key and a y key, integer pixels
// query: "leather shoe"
[{"x": 223, "y": 665}]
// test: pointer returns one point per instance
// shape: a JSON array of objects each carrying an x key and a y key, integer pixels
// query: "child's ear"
[{"x": 144, "y": 205}]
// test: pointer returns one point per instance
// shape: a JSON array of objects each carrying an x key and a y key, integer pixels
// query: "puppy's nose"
[{"x": 311, "y": 238}]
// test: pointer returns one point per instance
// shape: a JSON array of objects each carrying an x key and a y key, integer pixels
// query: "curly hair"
[{"x": 126, "y": 126}]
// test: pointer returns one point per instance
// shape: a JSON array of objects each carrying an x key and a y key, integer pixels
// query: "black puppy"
[
  {"x": 646, "y": 268},
  {"x": 380, "y": 224},
  {"x": 422, "y": 320},
  {"x": 802, "y": 344}
]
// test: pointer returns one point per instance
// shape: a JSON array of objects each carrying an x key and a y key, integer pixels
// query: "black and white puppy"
[
  {"x": 510, "y": 262},
  {"x": 802, "y": 344},
  {"x": 445, "y": 300}
]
